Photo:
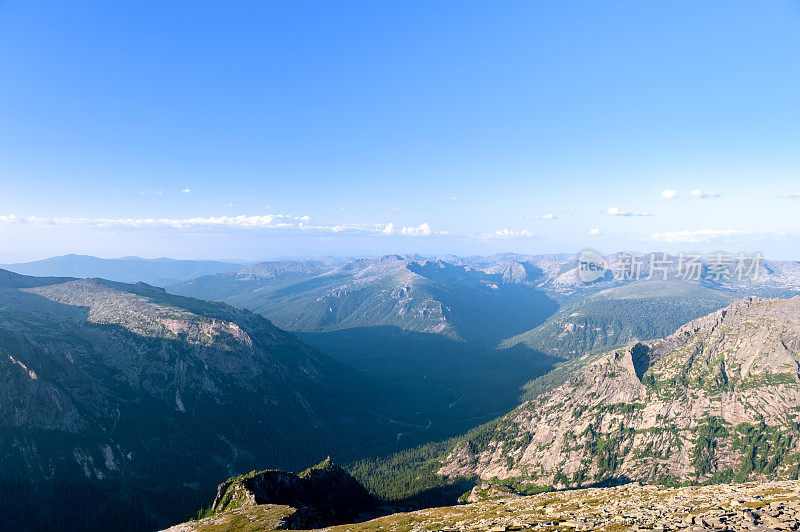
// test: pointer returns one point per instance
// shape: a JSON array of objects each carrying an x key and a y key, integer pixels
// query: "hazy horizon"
[{"x": 309, "y": 257}]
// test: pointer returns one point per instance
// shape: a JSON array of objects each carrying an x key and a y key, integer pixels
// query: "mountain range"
[
  {"x": 419, "y": 295},
  {"x": 138, "y": 400},
  {"x": 533, "y": 303}
]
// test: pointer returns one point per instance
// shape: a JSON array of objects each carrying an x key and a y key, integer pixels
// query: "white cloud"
[
  {"x": 420, "y": 230},
  {"x": 269, "y": 220},
  {"x": 455, "y": 198},
  {"x": 552, "y": 215},
  {"x": 242, "y": 222},
  {"x": 697, "y": 193},
  {"x": 616, "y": 211},
  {"x": 186, "y": 190},
  {"x": 699, "y": 236},
  {"x": 595, "y": 231},
  {"x": 503, "y": 234},
  {"x": 669, "y": 193},
  {"x": 791, "y": 196}
]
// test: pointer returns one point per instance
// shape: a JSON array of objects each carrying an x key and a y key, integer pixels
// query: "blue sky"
[{"x": 267, "y": 129}]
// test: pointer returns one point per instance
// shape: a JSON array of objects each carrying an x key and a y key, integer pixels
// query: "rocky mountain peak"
[{"x": 677, "y": 409}]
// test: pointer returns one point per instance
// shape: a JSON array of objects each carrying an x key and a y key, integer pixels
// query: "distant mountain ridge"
[
  {"x": 471, "y": 298},
  {"x": 427, "y": 296},
  {"x": 157, "y": 272}
]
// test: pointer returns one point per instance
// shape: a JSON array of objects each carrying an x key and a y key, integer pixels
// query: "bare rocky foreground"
[{"x": 773, "y": 505}]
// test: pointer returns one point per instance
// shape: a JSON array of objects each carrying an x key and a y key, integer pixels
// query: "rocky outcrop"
[{"x": 321, "y": 496}]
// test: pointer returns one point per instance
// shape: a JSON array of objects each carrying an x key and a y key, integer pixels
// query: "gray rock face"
[{"x": 718, "y": 399}]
